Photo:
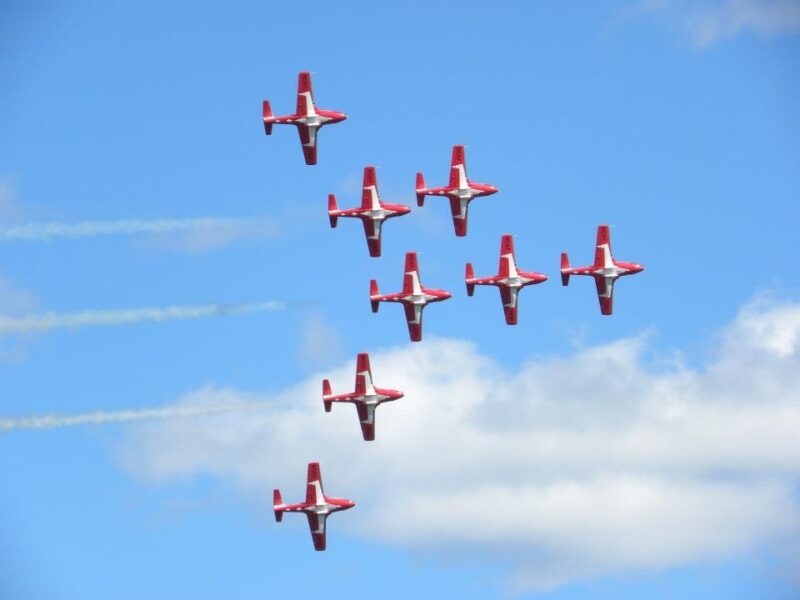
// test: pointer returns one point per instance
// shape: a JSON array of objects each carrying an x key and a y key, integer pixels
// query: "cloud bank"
[
  {"x": 598, "y": 463},
  {"x": 104, "y": 318}
]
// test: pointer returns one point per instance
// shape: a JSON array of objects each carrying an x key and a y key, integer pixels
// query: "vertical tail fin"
[
  {"x": 277, "y": 503},
  {"x": 332, "y": 209},
  {"x": 420, "y": 188},
  {"x": 266, "y": 116},
  {"x": 373, "y": 292},
  {"x": 326, "y": 393},
  {"x": 470, "y": 275},
  {"x": 564, "y": 269}
]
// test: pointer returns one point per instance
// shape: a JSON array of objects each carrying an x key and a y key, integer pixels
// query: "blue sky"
[{"x": 646, "y": 454}]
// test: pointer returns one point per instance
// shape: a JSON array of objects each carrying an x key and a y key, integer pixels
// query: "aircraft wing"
[
  {"x": 509, "y": 297},
  {"x": 458, "y": 208},
  {"x": 316, "y": 523},
  {"x": 372, "y": 229},
  {"x": 605, "y": 293},
  {"x": 308, "y": 139},
  {"x": 305, "y": 95},
  {"x": 602, "y": 253},
  {"x": 458, "y": 168},
  {"x": 414, "y": 319},
  {"x": 366, "y": 417}
]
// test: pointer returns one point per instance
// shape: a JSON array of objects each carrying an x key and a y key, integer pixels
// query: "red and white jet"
[
  {"x": 373, "y": 211},
  {"x": 366, "y": 397},
  {"x": 317, "y": 506},
  {"x": 605, "y": 270},
  {"x": 308, "y": 119},
  {"x": 414, "y": 296},
  {"x": 461, "y": 191},
  {"x": 509, "y": 280}
]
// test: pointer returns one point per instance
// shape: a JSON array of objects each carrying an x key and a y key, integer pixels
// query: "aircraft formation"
[{"x": 414, "y": 296}]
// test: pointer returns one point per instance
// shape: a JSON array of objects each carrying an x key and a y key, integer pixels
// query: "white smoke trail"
[
  {"x": 96, "y": 318},
  {"x": 43, "y": 232},
  {"x": 51, "y": 421}
]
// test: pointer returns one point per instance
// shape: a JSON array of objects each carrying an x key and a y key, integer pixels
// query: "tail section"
[
  {"x": 374, "y": 292},
  {"x": 564, "y": 269},
  {"x": 332, "y": 210},
  {"x": 266, "y": 116},
  {"x": 326, "y": 393},
  {"x": 470, "y": 275},
  {"x": 420, "y": 189},
  {"x": 314, "y": 492},
  {"x": 277, "y": 504}
]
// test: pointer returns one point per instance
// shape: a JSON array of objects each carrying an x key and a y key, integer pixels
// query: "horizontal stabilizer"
[
  {"x": 373, "y": 292},
  {"x": 277, "y": 501},
  {"x": 266, "y": 115},
  {"x": 564, "y": 269},
  {"x": 332, "y": 208},
  {"x": 327, "y": 393},
  {"x": 469, "y": 276},
  {"x": 420, "y": 189}
]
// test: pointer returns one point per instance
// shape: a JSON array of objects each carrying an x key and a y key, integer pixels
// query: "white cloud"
[
  {"x": 594, "y": 464},
  {"x": 709, "y": 23}
]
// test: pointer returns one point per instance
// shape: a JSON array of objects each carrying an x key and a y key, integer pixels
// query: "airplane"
[
  {"x": 317, "y": 506},
  {"x": 461, "y": 191},
  {"x": 308, "y": 118},
  {"x": 414, "y": 296},
  {"x": 366, "y": 396},
  {"x": 605, "y": 269},
  {"x": 373, "y": 211},
  {"x": 509, "y": 280}
]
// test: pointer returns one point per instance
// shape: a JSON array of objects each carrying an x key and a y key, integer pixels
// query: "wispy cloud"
[
  {"x": 10, "y": 209},
  {"x": 45, "y": 232},
  {"x": 592, "y": 464},
  {"x": 708, "y": 23},
  {"x": 104, "y": 318},
  {"x": 320, "y": 342},
  {"x": 54, "y": 421}
]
